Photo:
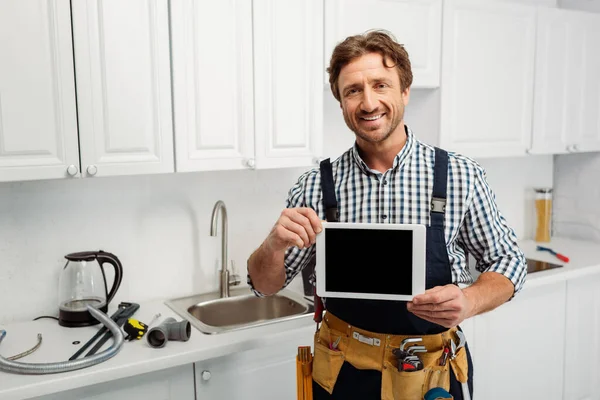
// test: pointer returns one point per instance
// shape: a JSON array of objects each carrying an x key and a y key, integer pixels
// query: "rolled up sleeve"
[{"x": 487, "y": 236}]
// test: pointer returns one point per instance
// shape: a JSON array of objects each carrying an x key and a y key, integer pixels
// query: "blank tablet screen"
[{"x": 369, "y": 261}]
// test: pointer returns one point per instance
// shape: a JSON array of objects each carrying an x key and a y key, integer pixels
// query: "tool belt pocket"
[
  {"x": 460, "y": 365},
  {"x": 413, "y": 385},
  {"x": 402, "y": 385},
  {"x": 327, "y": 364}
]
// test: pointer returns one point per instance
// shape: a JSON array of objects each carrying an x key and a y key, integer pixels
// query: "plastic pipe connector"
[{"x": 169, "y": 329}]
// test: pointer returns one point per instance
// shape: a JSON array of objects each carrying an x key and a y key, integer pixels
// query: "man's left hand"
[{"x": 443, "y": 305}]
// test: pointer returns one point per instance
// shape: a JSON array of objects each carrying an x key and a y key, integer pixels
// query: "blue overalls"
[{"x": 391, "y": 317}]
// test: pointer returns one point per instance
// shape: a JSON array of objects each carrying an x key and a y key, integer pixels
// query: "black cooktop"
[{"x": 537, "y": 266}]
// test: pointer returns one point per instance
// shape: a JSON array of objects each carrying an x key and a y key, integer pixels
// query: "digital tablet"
[{"x": 371, "y": 261}]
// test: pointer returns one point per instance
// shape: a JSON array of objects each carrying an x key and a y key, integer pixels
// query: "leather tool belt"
[{"x": 336, "y": 342}]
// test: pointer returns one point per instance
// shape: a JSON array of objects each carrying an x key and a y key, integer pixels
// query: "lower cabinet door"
[
  {"x": 582, "y": 345},
  {"x": 260, "y": 374},
  {"x": 170, "y": 384},
  {"x": 520, "y": 346}
]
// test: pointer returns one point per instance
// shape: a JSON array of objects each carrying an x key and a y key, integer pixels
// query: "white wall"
[
  {"x": 157, "y": 225},
  {"x": 549, "y": 3},
  {"x": 576, "y": 212},
  {"x": 584, "y": 5}
]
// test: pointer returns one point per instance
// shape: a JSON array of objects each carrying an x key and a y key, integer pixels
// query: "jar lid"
[{"x": 543, "y": 190}]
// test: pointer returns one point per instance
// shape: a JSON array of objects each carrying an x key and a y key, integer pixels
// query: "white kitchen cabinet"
[
  {"x": 268, "y": 373},
  {"x": 212, "y": 84},
  {"x": 38, "y": 121},
  {"x": 519, "y": 346},
  {"x": 488, "y": 52},
  {"x": 417, "y": 24},
  {"x": 567, "y": 88},
  {"x": 122, "y": 65},
  {"x": 254, "y": 98},
  {"x": 171, "y": 384},
  {"x": 554, "y": 92},
  {"x": 582, "y": 346},
  {"x": 288, "y": 98}
]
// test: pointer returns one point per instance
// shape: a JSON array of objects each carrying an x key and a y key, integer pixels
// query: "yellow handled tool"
[{"x": 135, "y": 329}]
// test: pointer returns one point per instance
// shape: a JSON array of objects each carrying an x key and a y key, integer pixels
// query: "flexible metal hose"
[{"x": 65, "y": 366}]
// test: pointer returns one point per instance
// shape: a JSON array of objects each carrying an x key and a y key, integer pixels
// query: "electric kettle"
[{"x": 82, "y": 282}]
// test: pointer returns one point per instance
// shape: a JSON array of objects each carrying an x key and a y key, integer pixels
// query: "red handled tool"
[
  {"x": 561, "y": 257},
  {"x": 319, "y": 308}
]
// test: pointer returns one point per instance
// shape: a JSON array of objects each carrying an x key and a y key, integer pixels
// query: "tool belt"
[{"x": 336, "y": 342}]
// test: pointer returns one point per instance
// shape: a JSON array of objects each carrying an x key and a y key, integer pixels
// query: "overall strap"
[
  {"x": 328, "y": 188},
  {"x": 332, "y": 215},
  {"x": 440, "y": 187}
]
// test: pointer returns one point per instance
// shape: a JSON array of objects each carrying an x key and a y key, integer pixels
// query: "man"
[{"x": 391, "y": 177}]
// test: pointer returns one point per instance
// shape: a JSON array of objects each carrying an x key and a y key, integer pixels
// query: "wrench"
[
  {"x": 461, "y": 340},
  {"x": 452, "y": 349},
  {"x": 461, "y": 343}
]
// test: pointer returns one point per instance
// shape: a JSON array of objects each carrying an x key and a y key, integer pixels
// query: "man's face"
[{"x": 372, "y": 100}]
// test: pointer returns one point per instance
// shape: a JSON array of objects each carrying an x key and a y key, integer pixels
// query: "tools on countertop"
[
  {"x": 169, "y": 329},
  {"x": 157, "y": 336},
  {"x": 561, "y": 257},
  {"x": 125, "y": 311},
  {"x": 25, "y": 353},
  {"x": 134, "y": 329}
]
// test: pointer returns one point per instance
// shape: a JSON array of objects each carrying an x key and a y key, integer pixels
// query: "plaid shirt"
[{"x": 402, "y": 195}]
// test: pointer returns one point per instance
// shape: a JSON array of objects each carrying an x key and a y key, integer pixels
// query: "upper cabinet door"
[
  {"x": 122, "y": 64},
  {"x": 487, "y": 78},
  {"x": 588, "y": 136},
  {"x": 212, "y": 84},
  {"x": 38, "y": 121},
  {"x": 567, "y": 89},
  {"x": 288, "y": 73},
  {"x": 416, "y": 24},
  {"x": 556, "y": 91}
]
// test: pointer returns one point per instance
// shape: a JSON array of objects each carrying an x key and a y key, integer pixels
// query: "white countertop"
[
  {"x": 584, "y": 259},
  {"x": 138, "y": 358}
]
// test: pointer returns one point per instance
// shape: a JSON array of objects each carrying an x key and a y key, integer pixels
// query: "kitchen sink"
[{"x": 212, "y": 314}]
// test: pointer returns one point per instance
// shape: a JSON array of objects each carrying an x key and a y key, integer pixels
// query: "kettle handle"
[{"x": 105, "y": 257}]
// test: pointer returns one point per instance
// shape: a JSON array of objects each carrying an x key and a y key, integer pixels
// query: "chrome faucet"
[{"x": 224, "y": 280}]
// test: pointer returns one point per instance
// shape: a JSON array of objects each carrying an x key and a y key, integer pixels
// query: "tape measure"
[{"x": 134, "y": 329}]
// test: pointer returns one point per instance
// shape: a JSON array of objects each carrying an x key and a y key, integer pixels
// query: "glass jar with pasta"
[{"x": 543, "y": 207}]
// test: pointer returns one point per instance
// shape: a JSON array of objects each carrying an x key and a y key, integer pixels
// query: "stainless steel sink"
[{"x": 212, "y": 314}]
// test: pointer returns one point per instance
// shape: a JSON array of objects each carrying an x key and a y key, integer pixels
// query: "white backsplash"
[
  {"x": 576, "y": 196},
  {"x": 158, "y": 225}
]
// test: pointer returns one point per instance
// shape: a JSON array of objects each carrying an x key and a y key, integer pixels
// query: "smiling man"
[{"x": 389, "y": 176}]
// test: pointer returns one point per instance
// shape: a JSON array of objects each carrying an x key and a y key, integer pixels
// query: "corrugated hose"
[{"x": 65, "y": 366}]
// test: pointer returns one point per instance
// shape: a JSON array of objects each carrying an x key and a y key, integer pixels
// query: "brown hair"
[{"x": 378, "y": 41}]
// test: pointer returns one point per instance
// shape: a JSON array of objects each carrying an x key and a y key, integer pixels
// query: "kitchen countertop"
[
  {"x": 584, "y": 259},
  {"x": 137, "y": 357}
]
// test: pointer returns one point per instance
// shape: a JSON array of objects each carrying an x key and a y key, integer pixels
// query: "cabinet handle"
[
  {"x": 569, "y": 149},
  {"x": 92, "y": 170},
  {"x": 72, "y": 170},
  {"x": 250, "y": 163},
  {"x": 575, "y": 147},
  {"x": 206, "y": 375}
]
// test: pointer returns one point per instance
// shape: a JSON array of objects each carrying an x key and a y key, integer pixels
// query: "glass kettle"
[{"x": 82, "y": 282}]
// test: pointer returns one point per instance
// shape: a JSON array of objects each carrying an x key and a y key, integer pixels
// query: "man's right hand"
[{"x": 295, "y": 227}]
